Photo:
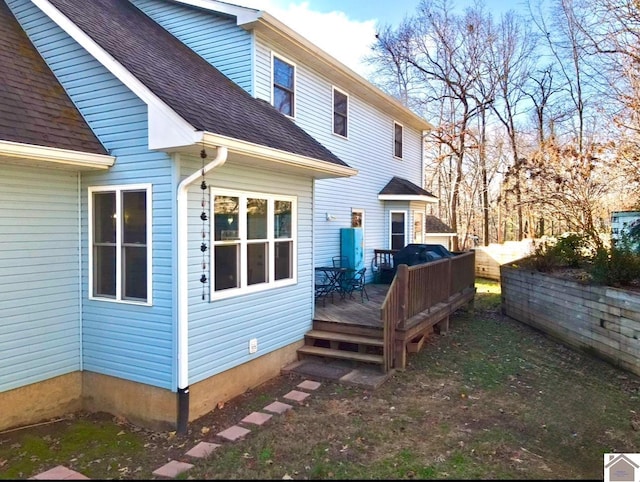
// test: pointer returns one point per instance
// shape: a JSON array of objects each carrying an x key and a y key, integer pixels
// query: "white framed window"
[
  {"x": 120, "y": 243},
  {"x": 340, "y": 113},
  {"x": 253, "y": 242},
  {"x": 357, "y": 218},
  {"x": 398, "y": 140},
  {"x": 397, "y": 229},
  {"x": 283, "y": 85}
]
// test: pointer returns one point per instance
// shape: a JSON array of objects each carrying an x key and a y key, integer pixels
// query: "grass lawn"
[{"x": 492, "y": 399}]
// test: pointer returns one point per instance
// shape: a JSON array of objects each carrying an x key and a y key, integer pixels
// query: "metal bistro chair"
[
  {"x": 356, "y": 283},
  {"x": 323, "y": 287},
  {"x": 340, "y": 262}
]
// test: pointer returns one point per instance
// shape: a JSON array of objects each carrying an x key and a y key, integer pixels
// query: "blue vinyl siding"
[
  {"x": 219, "y": 331},
  {"x": 39, "y": 277},
  {"x": 368, "y": 148},
  {"x": 215, "y": 38},
  {"x": 127, "y": 341}
]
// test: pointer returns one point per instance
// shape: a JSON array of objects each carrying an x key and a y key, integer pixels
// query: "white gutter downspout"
[{"x": 183, "y": 273}]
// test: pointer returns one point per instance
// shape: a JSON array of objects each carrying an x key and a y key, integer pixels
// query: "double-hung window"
[
  {"x": 397, "y": 140},
  {"x": 284, "y": 79},
  {"x": 340, "y": 112},
  {"x": 120, "y": 243},
  {"x": 253, "y": 241}
]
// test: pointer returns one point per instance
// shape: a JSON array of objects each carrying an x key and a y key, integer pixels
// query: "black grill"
[{"x": 413, "y": 254}]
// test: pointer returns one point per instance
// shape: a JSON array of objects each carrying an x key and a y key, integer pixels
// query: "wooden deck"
[{"x": 353, "y": 311}]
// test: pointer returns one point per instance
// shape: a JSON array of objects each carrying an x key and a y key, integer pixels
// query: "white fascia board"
[
  {"x": 407, "y": 197},
  {"x": 55, "y": 156},
  {"x": 440, "y": 234},
  {"x": 242, "y": 14},
  {"x": 277, "y": 156},
  {"x": 165, "y": 125}
]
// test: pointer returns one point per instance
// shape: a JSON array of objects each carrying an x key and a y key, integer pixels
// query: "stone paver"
[
  {"x": 309, "y": 385},
  {"x": 257, "y": 418},
  {"x": 296, "y": 396},
  {"x": 278, "y": 407},
  {"x": 60, "y": 473},
  {"x": 172, "y": 469},
  {"x": 234, "y": 433},
  {"x": 202, "y": 450}
]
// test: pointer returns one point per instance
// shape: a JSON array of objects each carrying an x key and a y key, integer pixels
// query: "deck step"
[
  {"x": 344, "y": 337},
  {"x": 347, "y": 355}
]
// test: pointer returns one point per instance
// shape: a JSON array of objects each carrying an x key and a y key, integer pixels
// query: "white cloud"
[{"x": 334, "y": 32}]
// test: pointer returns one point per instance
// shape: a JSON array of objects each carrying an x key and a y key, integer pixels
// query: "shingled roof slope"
[
  {"x": 34, "y": 108},
  {"x": 187, "y": 83},
  {"x": 402, "y": 187},
  {"x": 432, "y": 224}
]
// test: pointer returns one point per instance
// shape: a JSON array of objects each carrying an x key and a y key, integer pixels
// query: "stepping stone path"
[{"x": 202, "y": 450}]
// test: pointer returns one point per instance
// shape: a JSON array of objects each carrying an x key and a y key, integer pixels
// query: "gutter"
[{"x": 183, "y": 287}]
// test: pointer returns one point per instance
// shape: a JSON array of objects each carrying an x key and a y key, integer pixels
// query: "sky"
[{"x": 346, "y": 28}]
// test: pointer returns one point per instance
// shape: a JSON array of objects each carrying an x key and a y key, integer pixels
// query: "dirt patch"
[{"x": 493, "y": 399}]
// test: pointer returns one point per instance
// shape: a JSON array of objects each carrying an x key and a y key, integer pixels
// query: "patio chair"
[
  {"x": 340, "y": 262},
  {"x": 323, "y": 287},
  {"x": 356, "y": 283}
]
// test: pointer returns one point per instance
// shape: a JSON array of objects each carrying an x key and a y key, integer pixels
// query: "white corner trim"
[
  {"x": 277, "y": 156},
  {"x": 160, "y": 114},
  {"x": 55, "y": 156}
]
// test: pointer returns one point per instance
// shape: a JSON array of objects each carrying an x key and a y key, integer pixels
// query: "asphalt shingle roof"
[
  {"x": 432, "y": 224},
  {"x": 187, "y": 83},
  {"x": 34, "y": 108},
  {"x": 402, "y": 187}
]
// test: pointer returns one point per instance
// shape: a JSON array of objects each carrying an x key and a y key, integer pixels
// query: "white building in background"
[{"x": 622, "y": 221}]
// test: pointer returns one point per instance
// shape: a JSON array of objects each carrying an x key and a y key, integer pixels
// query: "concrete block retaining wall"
[{"x": 598, "y": 319}]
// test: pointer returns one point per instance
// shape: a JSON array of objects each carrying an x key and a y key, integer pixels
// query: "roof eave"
[
  {"x": 337, "y": 72},
  {"x": 318, "y": 168},
  {"x": 54, "y": 157},
  {"x": 407, "y": 197}
]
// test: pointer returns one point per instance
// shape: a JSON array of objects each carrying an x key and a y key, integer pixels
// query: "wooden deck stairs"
[{"x": 333, "y": 340}]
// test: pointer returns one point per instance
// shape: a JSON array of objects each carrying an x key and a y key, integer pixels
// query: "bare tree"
[{"x": 441, "y": 53}]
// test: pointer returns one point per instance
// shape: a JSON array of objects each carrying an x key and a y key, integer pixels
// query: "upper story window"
[
  {"x": 284, "y": 86},
  {"x": 340, "y": 112},
  {"x": 397, "y": 140},
  {"x": 120, "y": 243},
  {"x": 254, "y": 237}
]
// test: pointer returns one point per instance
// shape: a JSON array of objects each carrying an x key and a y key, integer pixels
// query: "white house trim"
[
  {"x": 321, "y": 168},
  {"x": 407, "y": 197},
  {"x": 284, "y": 59},
  {"x": 55, "y": 157},
  {"x": 166, "y": 128}
]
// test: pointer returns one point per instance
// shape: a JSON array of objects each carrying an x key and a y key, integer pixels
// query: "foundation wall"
[
  {"x": 41, "y": 401},
  {"x": 141, "y": 404},
  {"x": 205, "y": 395}
]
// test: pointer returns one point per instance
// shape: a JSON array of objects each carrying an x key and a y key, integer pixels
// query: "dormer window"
[
  {"x": 284, "y": 86},
  {"x": 340, "y": 112}
]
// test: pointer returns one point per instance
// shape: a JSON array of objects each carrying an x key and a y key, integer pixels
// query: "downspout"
[{"x": 183, "y": 287}]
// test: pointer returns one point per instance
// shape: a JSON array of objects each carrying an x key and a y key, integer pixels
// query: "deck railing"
[{"x": 418, "y": 288}]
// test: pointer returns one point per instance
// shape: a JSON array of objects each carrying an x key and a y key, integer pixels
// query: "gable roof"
[
  {"x": 195, "y": 90},
  {"x": 399, "y": 189},
  {"x": 34, "y": 108}
]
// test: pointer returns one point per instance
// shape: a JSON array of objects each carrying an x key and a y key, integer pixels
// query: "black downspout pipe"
[{"x": 183, "y": 410}]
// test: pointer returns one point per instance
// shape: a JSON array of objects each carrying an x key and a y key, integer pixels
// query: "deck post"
[{"x": 403, "y": 280}]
